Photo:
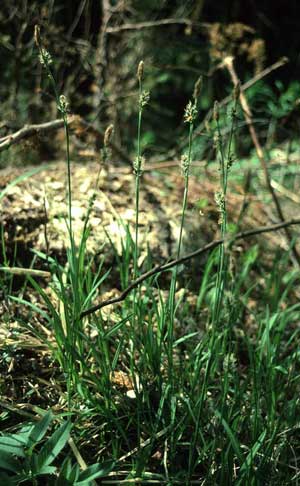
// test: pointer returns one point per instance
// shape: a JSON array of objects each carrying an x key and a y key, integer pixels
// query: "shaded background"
[{"x": 96, "y": 52}]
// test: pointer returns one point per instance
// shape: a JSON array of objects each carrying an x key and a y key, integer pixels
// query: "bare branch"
[
  {"x": 25, "y": 271},
  {"x": 150, "y": 24},
  {"x": 28, "y": 131},
  {"x": 74, "y": 120},
  {"x": 167, "y": 266}
]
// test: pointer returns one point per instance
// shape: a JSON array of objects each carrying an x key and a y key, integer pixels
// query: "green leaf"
[
  {"x": 94, "y": 289},
  {"x": 251, "y": 455},
  {"x": 93, "y": 472},
  {"x": 68, "y": 473},
  {"x": 47, "y": 470},
  {"x": 30, "y": 305},
  {"x": 9, "y": 463},
  {"x": 36, "y": 469},
  {"x": 116, "y": 327},
  {"x": 232, "y": 438},
  {"x": 281, "y": 369},
  {"x": 12, "y": 445},
  {"x": 7, "y": 480},
  {"x": 185, "y": 338},
  {"x": 40, "y": 429},
  {"x": 54, "y": 445}
]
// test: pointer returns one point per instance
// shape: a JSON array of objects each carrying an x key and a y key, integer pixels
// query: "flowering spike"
[
  {"x": 216, "y": 111},
  {"x": 107, "y": 135},
  {"x": 190, "y": 113},
  {"x": 197, "y": 88},
  {"x": 37, "y": 35},
  {"x": 140, "y": 71}
]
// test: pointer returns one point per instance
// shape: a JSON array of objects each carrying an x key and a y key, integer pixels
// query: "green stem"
[
  {"x": 174, "y": 273},
  {"x": 71, "y": 335},
  {"x": 137, "y": 185},
  {"x": 137, "y": 168}
]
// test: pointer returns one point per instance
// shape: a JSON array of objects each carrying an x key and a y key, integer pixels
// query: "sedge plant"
[
  {"x": 78, "y": 280},
  {"x": 210, "y": 406},
  {"x": 190, "y": 116}
]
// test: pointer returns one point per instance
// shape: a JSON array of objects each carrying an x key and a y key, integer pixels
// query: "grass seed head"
[
  {"x": 45, "y": 57},
  {"x": 37, "y": 36},
  {"x": 220, "y": 201},
  {"x": 197, "y": 88},
  {"x": 185, "y": 165},
  {"x": 140, "y": 71},
  {"x": 138, "y": 165},
  {"x": 216, "y": 111},
  {"x": 63, "y": 104},
  {"x": 107, "y": 135},
  {"x": 144, "y": 99},
  {"x": 190, "y": 113}
]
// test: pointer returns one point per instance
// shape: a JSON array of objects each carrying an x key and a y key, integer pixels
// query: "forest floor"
[{"x": 33, "y": 218}]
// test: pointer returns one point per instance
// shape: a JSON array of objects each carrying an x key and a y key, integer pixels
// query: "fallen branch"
[
  {"x": 25, "y": 271},
  {"x": 74, "y": 121},
  {"x": 167, "y": 266},
  {"x": 150, "y": 24},
  {"x": 228, "y": 63},
  {"x": 28, "y": 131}
]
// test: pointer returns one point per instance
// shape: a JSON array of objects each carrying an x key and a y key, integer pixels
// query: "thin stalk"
[
  {"x": 143, "y": 99},
  {"x": 186, "y": 162},
  {"x": 62, "y": 109},
  {"x": 219, "y": 284},
  {"x": 214, "y": 343},
  {"x": 226, "y": 343},
  {"x": 61, "y": 104},
  {"x": 137, "y": 184},
  {"x": 225, "y": 164},
  {"x": 174, "y": 273}
]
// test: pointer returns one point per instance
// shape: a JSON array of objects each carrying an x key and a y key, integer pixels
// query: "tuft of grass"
[{"x": 212, "y": 402}]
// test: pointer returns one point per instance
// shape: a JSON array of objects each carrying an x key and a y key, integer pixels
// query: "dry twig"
[
  {"x": 150, "y": 24},
  {"x": 28, "y": 131},
  {"x": 74, "y": 120},
  {"x": 25, "y": 271},
  {"x": 167, "y": 266}
]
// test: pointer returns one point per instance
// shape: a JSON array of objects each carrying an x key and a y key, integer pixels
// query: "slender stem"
[
  {"x": 219, "y": 284},
  {"x": 71, "y": 335},
  {"x": 137, "y": 168},
  {"x": 137, "y": 184},
  {"x": 65, "y": 122},
  {"x": 224, "y": 170},
  {"x": 69, "y": 179},
  {"x": 170, "y": 332},
  {"x": 186, "y": 188}
]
